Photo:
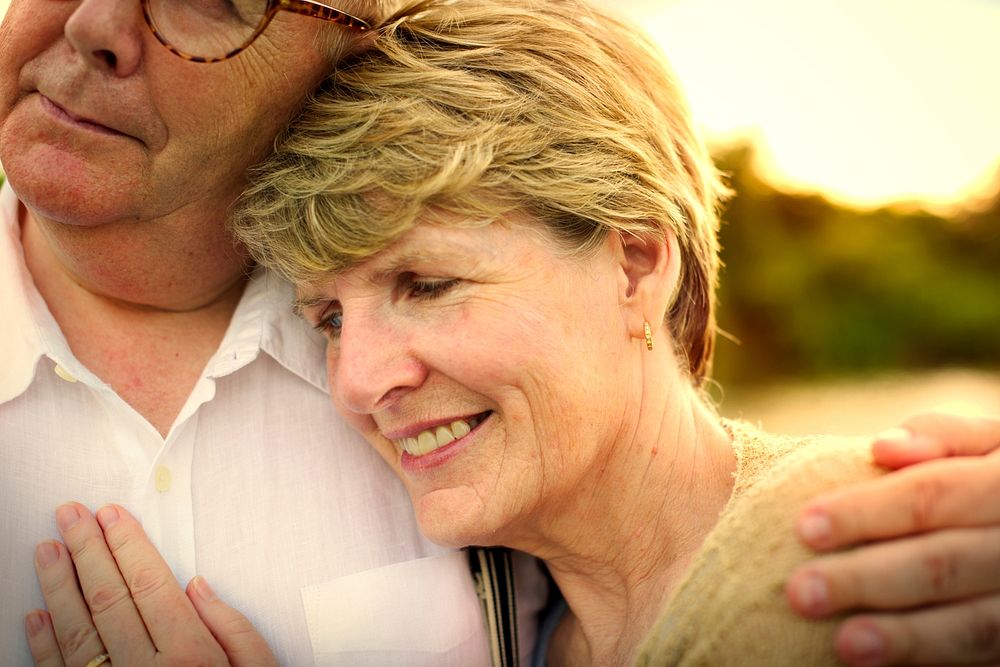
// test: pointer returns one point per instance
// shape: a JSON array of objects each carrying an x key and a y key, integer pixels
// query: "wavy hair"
[{"x": 473, "y": 110}]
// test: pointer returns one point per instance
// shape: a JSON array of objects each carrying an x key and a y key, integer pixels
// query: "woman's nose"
[
  {"x": 109, "y": 34},
  {"x": 372, "y": 365}
]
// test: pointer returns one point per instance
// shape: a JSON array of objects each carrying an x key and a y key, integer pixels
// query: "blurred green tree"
[{"x": 812, "y": 289}]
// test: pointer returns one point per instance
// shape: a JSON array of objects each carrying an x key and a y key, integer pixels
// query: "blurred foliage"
[{"x": 812, "y": 289}]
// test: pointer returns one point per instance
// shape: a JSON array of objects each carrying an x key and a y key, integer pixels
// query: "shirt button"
[
  {"x": 162, "y": 478},
  {"x": 64, "y": 374}
]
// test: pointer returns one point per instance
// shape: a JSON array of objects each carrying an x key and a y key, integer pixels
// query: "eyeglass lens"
[{"x": 207, "y": 28}]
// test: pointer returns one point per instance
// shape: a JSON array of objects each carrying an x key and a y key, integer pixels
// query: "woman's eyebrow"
[
  {"x": 406, "y": 261},
  {"x": 380, "y": 275},
  {"x": 302, "y": 304}
]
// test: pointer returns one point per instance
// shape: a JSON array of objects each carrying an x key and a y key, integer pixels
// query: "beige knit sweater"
[{"x": 731, "y": 607}]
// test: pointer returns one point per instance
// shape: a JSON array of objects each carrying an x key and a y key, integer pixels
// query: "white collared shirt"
[{"x": 259, "y": 486}]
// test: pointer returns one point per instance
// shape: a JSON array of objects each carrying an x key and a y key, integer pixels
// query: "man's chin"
[
  {"x": 62, "y": 191},
  {"x": 71, "y": 182}
]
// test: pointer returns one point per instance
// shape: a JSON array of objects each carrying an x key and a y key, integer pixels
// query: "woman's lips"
[
  {"x": 440, "y": 454},
  {"x": 436, "y": 437}
]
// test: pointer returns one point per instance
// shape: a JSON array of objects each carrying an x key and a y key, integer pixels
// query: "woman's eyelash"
[
  {"x": 330, "y": 323},
  {"x": 429, "y": 289}
]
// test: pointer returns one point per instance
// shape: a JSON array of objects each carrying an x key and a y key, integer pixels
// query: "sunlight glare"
[{"x": 866, "y": 101}]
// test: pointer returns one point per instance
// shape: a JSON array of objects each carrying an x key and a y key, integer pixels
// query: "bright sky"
[{"x": 867, "y": 100}]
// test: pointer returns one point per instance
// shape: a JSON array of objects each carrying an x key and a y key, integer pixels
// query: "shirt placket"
[
  {"x": 168, "y": 505},
  {"x": 162, "y": 495}
]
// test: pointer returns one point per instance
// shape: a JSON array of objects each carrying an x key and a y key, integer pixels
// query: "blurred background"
[{"x": 862, "y": 246}]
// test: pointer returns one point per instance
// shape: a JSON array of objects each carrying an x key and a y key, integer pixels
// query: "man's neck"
[{"x": 143, "y": 316}]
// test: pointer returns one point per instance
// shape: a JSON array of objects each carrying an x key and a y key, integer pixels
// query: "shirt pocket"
[{"x": 409, "y": 614}]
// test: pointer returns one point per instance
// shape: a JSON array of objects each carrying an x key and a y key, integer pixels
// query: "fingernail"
[
  {"x": 33, "y": 623},
  {"x": 896, "y": 435},
  {"x": 812, "y": 592},
  {"x": 865, "y": 644},
  {"x": 46, "y": 554},
  {"x": 912, "y": 446},
  {"x": 815, "y": 528},
  {"x": 66, "y": 516},
  {"x": 204, "y": 591},
  {"x": 107, "y": 515}
]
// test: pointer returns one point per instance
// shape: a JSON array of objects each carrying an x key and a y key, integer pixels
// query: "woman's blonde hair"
[{"x": 476, "y": 109}]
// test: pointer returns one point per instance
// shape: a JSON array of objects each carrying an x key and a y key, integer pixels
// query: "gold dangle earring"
[{"x": 649, "y": 335}]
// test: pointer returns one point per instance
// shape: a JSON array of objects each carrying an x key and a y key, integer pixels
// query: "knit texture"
[{"x": 731, "y": 608}]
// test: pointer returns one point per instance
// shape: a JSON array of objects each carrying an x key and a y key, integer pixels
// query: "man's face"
[{"x": 100, "y": 123}]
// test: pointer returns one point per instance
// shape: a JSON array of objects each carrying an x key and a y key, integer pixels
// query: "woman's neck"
[{"x": 618, "y": 554}]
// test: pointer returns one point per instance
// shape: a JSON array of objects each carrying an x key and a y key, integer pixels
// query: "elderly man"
[{"x": 144, "y": 365}]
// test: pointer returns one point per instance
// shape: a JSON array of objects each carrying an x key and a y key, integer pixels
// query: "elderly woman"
[{"x": 505, "y": 224}]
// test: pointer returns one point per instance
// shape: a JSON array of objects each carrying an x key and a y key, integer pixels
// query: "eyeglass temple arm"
[{"x": 322, "y": 11}]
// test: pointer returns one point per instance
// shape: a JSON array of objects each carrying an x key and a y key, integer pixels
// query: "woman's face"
[{"x": 485, "y": 366}]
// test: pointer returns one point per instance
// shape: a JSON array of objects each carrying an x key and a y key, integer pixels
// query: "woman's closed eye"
[
  {"x": 331, "y": 322},
  {"x": 420, "y": 288}
]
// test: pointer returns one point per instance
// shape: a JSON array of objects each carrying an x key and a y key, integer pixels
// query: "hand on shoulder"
[{"x": 925, "y": 567}]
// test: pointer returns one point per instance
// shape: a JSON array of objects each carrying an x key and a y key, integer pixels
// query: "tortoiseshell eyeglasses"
[{"x": 209, "y": 31}]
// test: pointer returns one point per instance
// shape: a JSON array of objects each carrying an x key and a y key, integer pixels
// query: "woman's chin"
[{"x": 455, "y": 518}]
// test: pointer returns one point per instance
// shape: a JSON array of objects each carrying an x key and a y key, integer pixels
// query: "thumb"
[{"x": 244, "y": 646}]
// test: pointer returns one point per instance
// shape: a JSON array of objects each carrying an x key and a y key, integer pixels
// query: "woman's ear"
[{"x": 650, "y": 273}]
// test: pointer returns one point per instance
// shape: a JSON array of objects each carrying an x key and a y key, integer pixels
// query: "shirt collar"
[
  {"x": 263, "y": 321},
  {"x": 22, "y": 341}
]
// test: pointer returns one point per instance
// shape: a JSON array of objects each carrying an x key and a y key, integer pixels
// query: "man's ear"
[{"x": 650, "y": 273}]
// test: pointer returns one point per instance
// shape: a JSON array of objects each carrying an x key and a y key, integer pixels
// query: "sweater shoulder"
[{"x": 731, "y": 608}]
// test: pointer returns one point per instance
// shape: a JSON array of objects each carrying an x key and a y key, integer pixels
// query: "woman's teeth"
[{"x": 437, "y": 437}]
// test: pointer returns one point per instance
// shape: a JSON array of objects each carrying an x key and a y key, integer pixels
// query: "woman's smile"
[
  {"x": 434, "y": 446},
  {"x": 428, "y": 439}
]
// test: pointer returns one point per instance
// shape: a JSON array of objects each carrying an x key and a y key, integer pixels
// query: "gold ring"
[{"x": 99, "y": 660}]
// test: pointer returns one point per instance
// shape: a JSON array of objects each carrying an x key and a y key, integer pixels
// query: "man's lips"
[{"x": 68, "y": 116}]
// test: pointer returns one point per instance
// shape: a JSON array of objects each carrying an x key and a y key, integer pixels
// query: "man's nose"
[
  {"x": 110, "y": 34},
  {"x": 373, "y": 365}
]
